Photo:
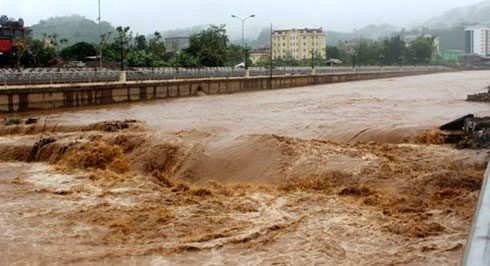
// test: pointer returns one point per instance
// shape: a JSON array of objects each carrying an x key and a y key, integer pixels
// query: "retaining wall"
[{"x": 41, "y": 97}]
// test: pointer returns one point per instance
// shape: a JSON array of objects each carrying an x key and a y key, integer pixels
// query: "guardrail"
[
  {"x": 478, "y": 245},
  {"x": 50, "y": 76}
]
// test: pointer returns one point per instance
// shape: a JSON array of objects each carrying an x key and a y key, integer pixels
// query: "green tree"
[
  {"x": 63, "y": 42},
  {"x": 393, "y": 51},
  {"x": 43, "y": 54},
  {"x": 185, "y": 59},
  {"x": 209, "y": 46},
  {"x": 139, "y": 58},
  {"x": 235, "y": 55},
  {"x": 112, "y": 52},
  {"x": 123, "y": 39},
  {"x": 334, "y": 52},
  {"x": 157, "y": 48},
  {"x": 53, "y": 38},
  {"x": 79, "y": 51},
  {"x": 140, "y": 43},
  {"x": 421, "y": 51}
]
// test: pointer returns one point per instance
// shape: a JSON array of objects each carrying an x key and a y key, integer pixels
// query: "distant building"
[
  {"x": 475, "y": 61},
  {"x": 451, "y": 55},
  {"x": 176, "y": 44},
  {"x": 477, "y": 40},
  {"x": 257, "y": 54},
  {"x": 299, "y": 44}
]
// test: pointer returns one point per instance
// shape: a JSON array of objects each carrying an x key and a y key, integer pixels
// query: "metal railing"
[
  {"x": 478, "y": 245},
  {"x": 78, "y": 75}
]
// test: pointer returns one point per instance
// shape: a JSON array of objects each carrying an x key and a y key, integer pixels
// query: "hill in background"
[
  {"x": 75, "y": 28},
  {"x": 184, "y": 32},
  {"x": 371, "y": 32},
  {"x": 470, "y": 15}
]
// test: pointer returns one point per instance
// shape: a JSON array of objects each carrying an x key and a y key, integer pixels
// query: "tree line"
[
  {"x": 388, "y": 52},
  {"x": 208, "y": 48},
  {"x": 212, "y": 48}
]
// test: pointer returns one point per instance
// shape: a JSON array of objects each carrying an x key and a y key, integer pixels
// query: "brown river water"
[{"x": 349, "y": 173}]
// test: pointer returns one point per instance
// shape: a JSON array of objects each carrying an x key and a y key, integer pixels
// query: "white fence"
[{"x": 75, "y": 75}]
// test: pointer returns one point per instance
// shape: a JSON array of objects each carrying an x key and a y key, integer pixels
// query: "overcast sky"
[{"x": 146, "y": 16}]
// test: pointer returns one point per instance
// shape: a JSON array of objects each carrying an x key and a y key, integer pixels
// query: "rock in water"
[
  {"x": 38, "y": 145},
  {"x": 480, "y": 97}
]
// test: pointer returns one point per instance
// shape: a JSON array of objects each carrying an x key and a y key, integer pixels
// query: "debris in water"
[
  {"x": 457, "y": 124},
  {"x": 477, "y": 134},
  {"x": 12, "y": 121},
  {"x": 474, "y": 132},
  {"x": 31, "y": 121},
  {"x": 480, "y": 97},
  {"x": 110, "y": 126},
  {"x": 38, "y": 145}
]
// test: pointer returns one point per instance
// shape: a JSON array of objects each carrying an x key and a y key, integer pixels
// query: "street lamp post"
[
  {"x": 243, "y": 31},
  {"x": 313, "y": 62}
]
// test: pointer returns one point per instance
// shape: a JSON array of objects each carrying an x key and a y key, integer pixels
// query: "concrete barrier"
[
  {"x": 478, "y": 245},
  {"x": 40, "y": 97}
]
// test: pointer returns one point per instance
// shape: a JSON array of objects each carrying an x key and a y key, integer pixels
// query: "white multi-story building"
[{"x": 477, "y": 40}]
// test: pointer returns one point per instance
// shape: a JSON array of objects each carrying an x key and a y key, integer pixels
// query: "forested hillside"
[{"x": 74, "y": 28}]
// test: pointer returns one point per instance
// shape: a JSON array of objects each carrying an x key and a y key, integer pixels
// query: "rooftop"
[
  {"x": 307, "y": 30},
  {"x": 477, "y": 27}
]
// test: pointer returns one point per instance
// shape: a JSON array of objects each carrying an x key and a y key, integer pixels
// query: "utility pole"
[
  {"x": 122, "y": 42},
  {"x": 313, "y": 63},
  {"x": 270, "y": 55},
  {"x": 101, "y": 41},
  {"x": 360, "y": 52},
  {"x": 246, "y": 56}
]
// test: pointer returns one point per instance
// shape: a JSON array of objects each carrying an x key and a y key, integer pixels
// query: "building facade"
[
  {"x": 451, "y": 55},
  {"x": 477, "y": 40},
  {"x": 299, "y": 44},
  {"x": 176, "y": 44},
  {"x": 258, "y": 54}
]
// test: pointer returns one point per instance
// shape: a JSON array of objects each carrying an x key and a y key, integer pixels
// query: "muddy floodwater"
[{"x": 350, "y": 173}]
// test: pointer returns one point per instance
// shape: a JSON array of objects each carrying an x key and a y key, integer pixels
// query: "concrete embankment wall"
[{"x": 41, "y": 97}]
